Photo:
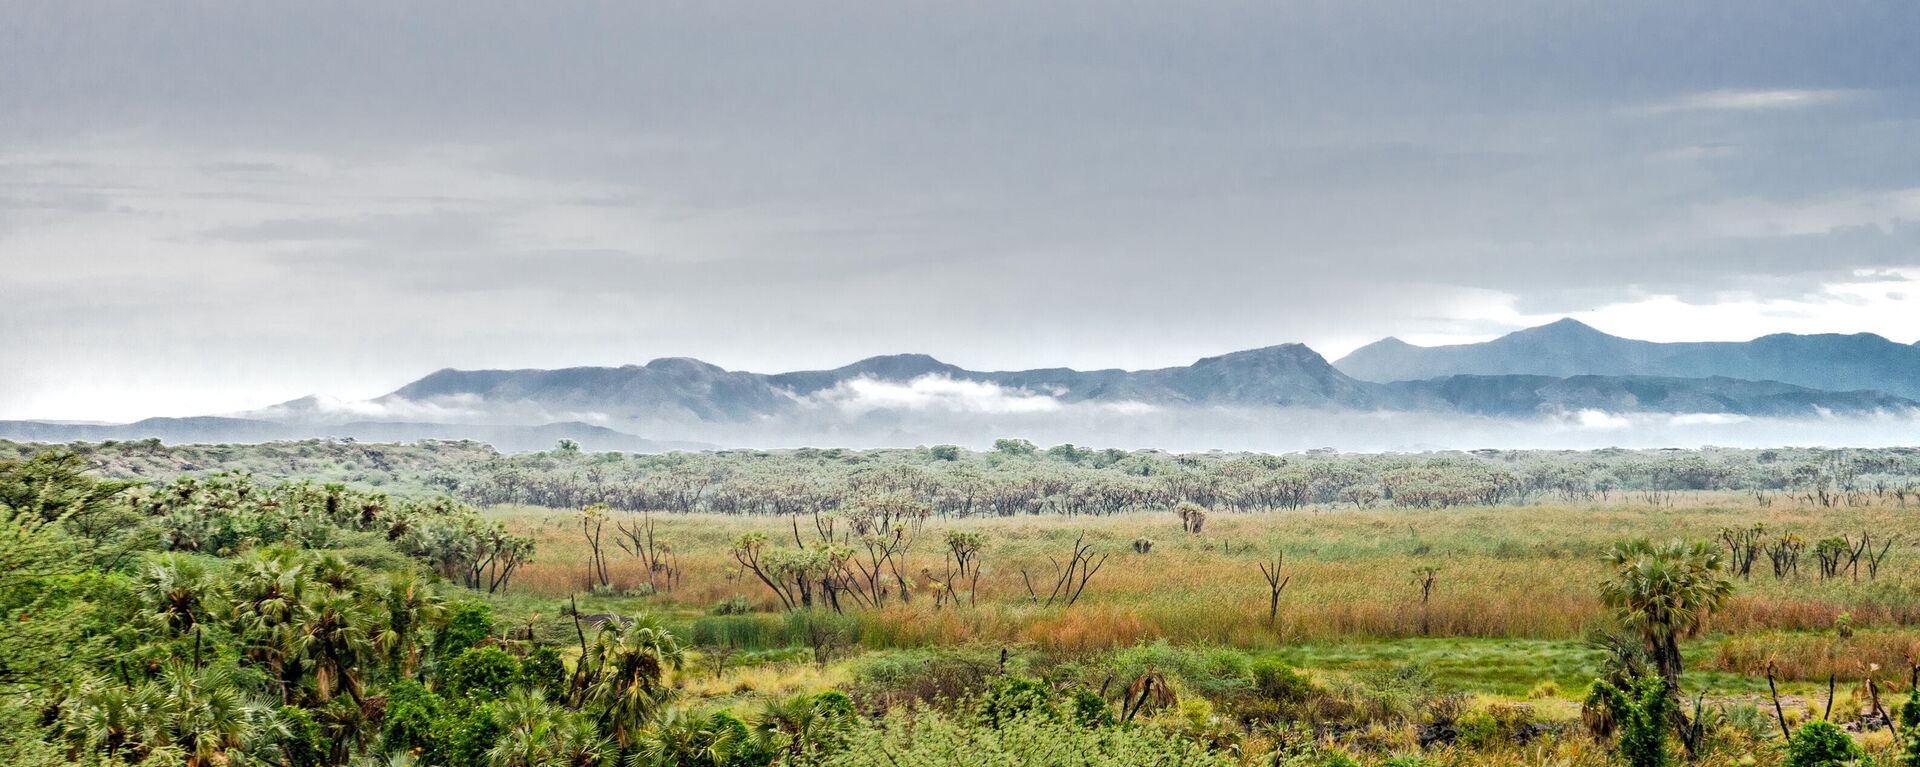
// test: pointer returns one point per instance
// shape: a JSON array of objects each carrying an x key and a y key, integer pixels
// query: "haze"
[{"x": 210, "y": 209}]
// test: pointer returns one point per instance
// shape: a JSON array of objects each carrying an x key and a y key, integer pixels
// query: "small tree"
[
  {"x": 1820, "y": 744},
  {"x": 1640, "y": 719},
  {"x": 1910, "y": 725},
  {"x": 592, "y": 520},
  {"x": 1276, "y": 582},
  {"x": 1425, "y": 577}
]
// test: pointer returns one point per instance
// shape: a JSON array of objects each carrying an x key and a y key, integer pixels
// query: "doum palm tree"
[{"x": 1663, "y": 593}]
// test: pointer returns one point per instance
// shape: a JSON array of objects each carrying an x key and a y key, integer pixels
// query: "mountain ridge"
[
  {"x": 1834, "y": 362},
  {"x": 1550, "y": 371}
]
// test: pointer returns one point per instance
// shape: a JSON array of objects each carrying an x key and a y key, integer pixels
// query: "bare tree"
[
  {"x": 1276, "y": 582},
  {"x": 962, "y": 566},
  {"x": 639, "y": 540},
  {"x": 1071, "y": 578},
  {"x": 593, "y": 520},
  {"x": 1425, "y": 577},
  {"x": 1743, "y": 547}
]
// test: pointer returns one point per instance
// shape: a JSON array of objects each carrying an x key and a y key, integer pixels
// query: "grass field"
[{"x": 1515, "y": 592}]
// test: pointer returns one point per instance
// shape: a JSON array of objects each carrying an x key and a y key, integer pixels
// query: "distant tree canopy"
[{"x": 1016, "y": 477}]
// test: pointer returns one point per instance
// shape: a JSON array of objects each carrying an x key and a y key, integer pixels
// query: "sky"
[{"x": 211, "y": 207}]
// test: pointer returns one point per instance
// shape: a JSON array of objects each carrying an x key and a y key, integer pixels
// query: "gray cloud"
[{"x": 338, "y": 197}]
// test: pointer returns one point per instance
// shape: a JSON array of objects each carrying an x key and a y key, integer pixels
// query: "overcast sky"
[{"x": 208, "y": 207}]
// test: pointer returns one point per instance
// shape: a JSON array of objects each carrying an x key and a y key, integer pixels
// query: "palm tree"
[
  {"x": 177, "y": 593},
  {"x": 805, "y": 726},
  {"x": 1664, "y": 593},
  {"x": 269, "y": 598},
  {"x": 537, "y": 733},
  {"x": 106, "y": 717},
  {"x": 203, "y": 713},
  {"x": 335, "y": 635},
  {"x": 627, "y": 672},
  {"x": 680, "y": 738},
  {"x": 412, "y": 609}
]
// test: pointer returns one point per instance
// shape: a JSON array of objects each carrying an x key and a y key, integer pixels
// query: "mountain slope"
[
  {"x": 1289, "y": 375},
  {"x": 1522, "y": 395},
  {"x": 1569, "y": 348},
  {"x": 1544, "y": 371}
]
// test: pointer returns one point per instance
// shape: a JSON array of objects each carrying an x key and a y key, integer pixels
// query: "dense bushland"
[{"x": 219, "y": 619}]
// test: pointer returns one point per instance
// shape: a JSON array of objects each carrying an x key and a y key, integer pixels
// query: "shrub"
[
  {"x": 467, "y": 624},
  {"x": 1278, "y": 692},
  {"x": 463, "y": 741},
  {"x": 834, "y": 705},
  {"x": 1910, "y": 722},
  {"x": 411, "y": 712},
  {"x": 883, "y": 680},
  {"x": 481, "y": 673},
  {"x": 1399, "y": 694},
  {"x": 1820, "y": 744},
  {"x": 1278, "y": 682},
  {"x": 1641, "y": 719},
  {"x": 543, "y": 668},
  {"x": 1088, "y": 709},
  {"x": 743, "y": 749},
  {"x": 1014, "y": 696},
  {"x": 932, "y": 739},
  {"x": 302, "y": 742},
  {"x": 735, "y": 606},
  {"x": 1215, "y": 672},
  {"x": 1477, "y": 730}
]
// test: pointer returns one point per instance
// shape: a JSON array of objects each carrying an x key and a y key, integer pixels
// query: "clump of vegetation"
[
  {"x": 1820, "y": 744},
  {"x": 896, "y": 607}
]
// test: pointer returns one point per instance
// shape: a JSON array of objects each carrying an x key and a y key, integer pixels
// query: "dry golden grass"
[{"x": 1504, "y": 572}]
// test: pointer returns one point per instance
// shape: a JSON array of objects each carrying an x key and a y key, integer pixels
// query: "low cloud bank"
[
  {"x": 937, "y": 409},
  {"x": 1275, "y": 430}
]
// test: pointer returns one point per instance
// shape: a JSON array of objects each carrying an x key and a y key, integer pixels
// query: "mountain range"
[
  {"x": 1556, "y": 369},
  {"x": 1830, "y": 362}
]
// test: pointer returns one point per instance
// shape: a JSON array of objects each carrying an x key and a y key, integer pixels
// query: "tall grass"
[{"x": 1509, "y": 572}]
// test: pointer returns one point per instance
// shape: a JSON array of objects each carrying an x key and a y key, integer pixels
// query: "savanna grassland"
[{"x": 336, "y": 603}]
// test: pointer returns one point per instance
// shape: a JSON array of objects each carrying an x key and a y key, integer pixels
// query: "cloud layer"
[{"x": 206, "y": 210}]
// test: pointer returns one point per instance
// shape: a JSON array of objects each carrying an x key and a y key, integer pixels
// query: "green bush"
[
  {"x": 1216, "y": 672},
  {"x": 543, "y": 668},
  {"x": 411, "y": 712},
  {"x": 927, "y": 676},
  {"x": 467, "y": 624},
  {"x": 1477, "y": 730},
  {"x": 462, "y": 741},
  {"x": 1009, "y": 697},
  {"x": 932, "y": 739},
  {"x": 1820, "y": 744},
  {"x": 1641, "y": 719},
  {"x": 1089, "y": 710},
  {"x": 302, "y": 743},
  {"x": 1280, "y": 683},
  {"x": 481, "y": 673},
  {"x": 1278, "y": 693}
]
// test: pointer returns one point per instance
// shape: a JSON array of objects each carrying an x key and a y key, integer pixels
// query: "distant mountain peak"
[
  {"x": 684, "y": 363},
  {"x": 900, "y": 366},
  {"x": 1296, "y": 353},
  {"x": 1566, "y": 348},
  {"x": 1565, "y": 327}
]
